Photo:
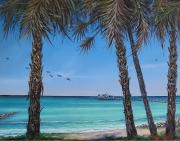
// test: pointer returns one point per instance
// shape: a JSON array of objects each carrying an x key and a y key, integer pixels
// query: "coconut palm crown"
[{"x": 32, "y": 16}]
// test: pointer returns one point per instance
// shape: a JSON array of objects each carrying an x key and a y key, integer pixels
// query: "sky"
[{"x": 91, "y": 73}]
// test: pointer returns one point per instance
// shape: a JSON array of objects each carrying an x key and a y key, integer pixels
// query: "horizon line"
[{"x": 83, "y": 96}]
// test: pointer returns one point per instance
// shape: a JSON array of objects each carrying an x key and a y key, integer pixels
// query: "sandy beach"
[{"x": 102, "y": 135}]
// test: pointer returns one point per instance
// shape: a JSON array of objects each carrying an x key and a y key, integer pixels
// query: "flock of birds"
[
  {"x": 7, "y": 59},
  {"x": 52, "y": 76},
  {"x": 58, "y": 75},
  {"x": 47, "y": 72}
]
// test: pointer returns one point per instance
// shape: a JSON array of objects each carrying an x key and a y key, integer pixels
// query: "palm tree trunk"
[
  {"x": 171, "y": 86},
  {"x": 124, "y": 81},
  {"x": 152, "y": 126},
  {"x": 35, "y": 88}
]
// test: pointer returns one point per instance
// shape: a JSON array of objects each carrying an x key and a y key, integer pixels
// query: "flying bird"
[
  {"x": 68, "y": 79},
  {"x": 59, "y": 75},
  {"x": 48, "y": 72},
  {"x": 51, "y": 75},
  {"x": 7, "y": 58}
]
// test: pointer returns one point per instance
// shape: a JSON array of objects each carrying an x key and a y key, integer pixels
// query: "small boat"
[{"x": 106, "y": 97}]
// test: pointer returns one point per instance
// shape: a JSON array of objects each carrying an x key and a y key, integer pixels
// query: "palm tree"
[
  {"x": 138, "y": 23},
  {"x": 108, "y": 18},
  {"x": 151, "y": 124},
  {"x": 167, "y": 16},
  {"x": 37, "y": 19}
]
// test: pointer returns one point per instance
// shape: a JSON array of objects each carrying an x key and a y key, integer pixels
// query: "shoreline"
[
  {"x": 104, "y": 134},
  {"x": 94, "y": 135},
  {"x": 113, "y": 134},
  {"x": 101, "y": 135}
]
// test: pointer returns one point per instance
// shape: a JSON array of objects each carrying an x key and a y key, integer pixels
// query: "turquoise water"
[{"x": 77, "y": 114}]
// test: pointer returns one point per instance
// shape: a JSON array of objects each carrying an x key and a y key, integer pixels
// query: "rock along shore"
[
  {"x": 160, "y": 124},
  {"x": 7, "y": 115}
]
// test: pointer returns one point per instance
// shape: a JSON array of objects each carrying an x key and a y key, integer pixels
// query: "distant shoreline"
[{"x": 72, "y": 96}]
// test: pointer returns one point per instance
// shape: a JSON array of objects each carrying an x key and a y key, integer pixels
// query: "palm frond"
[
  {"x": 142, "y": 33},
  {"x": 87, "y": 43},
  {"x": 60, "y": 13},
  {"x": 80, "y": 30},
  {"x": 139, "y": 21},
  {"x": 31, "y": 16},
  {"x": 166, "y": 14},
  {"x": 88, "y": 6},
  {"x": 107, "y": 17},
  {"x": 160, "y": 32},
  {"x": 11, "y": 13},
  {"x": 113, "y": 19}
]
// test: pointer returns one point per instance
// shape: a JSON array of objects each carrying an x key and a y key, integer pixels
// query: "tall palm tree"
[
  {"x": 138, "y": 23},
  {"x": 108, "y": 18},
  {"x": 37, "y": 19},
  {"x": 167, "y": 17},
  {"x": 151, "y": 124}
]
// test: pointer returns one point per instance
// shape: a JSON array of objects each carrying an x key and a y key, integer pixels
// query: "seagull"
[
  {"x": 7, "y": 58},
  {"x": 68, "y": 79},
  {"x": 51, "y": 75},
  {"x": 59, "y": 75},
  {"x": 48, "y": 72}
]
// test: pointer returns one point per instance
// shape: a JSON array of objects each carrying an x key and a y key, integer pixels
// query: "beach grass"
[
  {"x": 48, "y": 138},
  {"x": 41, "y": 137},
  {"x": 162, "y": 133}
]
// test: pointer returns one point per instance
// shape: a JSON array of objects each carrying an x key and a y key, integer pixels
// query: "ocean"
[{"x": 77, "y": 114}]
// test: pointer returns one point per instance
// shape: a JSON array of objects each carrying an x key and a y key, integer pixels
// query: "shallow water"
[{"x": 77, "y": 114}]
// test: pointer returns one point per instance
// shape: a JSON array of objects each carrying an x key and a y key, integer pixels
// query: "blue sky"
[{"x": 91, "y": 73}]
